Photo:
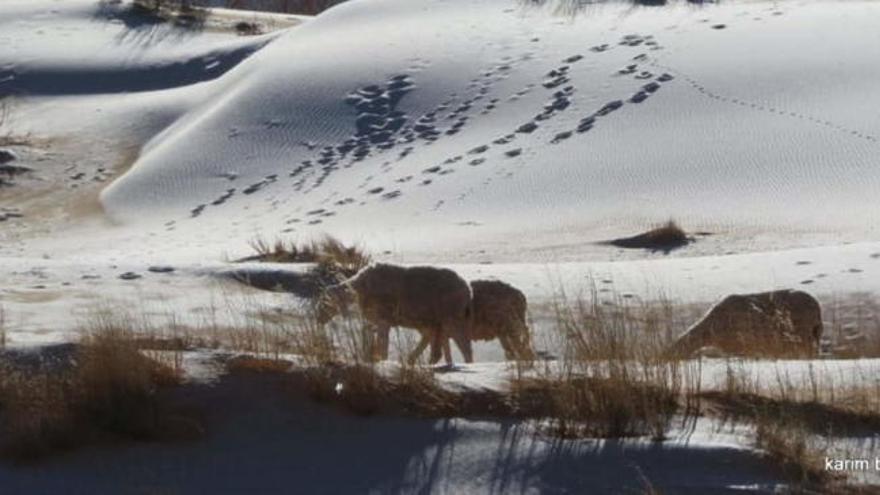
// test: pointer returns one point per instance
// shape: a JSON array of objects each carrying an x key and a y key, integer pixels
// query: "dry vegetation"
[
  {"x": 102, "y": 389},
  {"x": 664, "y": 237},
  {"x": 327, "y": 251},
  {"x": 613, "y": 379}
]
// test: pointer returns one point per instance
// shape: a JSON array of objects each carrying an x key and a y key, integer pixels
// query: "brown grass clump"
[
  {"x": 252, "y": 364},
  {"x": 327, "y": 252},
  {"x": 796, "y": 421},
  {"x": 337, "y": 369},
  {"x": 104, "y": 390},
  {"x": 364, "y": 390},
  {"x": 282, "y": 252},
  {"x": 664, "y": 238},
  {"x": 788, "y": 445},
  {"x": 597, "y": 408},
  {"x": 818, "y": 403},
  {"x": 612, "y": 380},
  {"x": 811, "y": 416}
]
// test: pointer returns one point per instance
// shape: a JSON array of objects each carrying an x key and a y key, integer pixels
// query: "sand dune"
[{"x": 617, "y": 117}]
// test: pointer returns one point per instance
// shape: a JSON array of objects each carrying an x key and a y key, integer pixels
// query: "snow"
[
  {"x": 158, "y": 144},
  {"x": 263, "y": 439},
  {"x": 265, "y": 453}
]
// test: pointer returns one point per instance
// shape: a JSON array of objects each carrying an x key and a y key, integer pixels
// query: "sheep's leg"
[
  {"x": 420, "y": 348},
  {"x": 526, "y": 352},
  {"x": 464, "y": 345},
  {"x": 439, "y": 344},
  {"x": 510, "y": 351},
  {"x": 372, "y": 337},
  {"x": 367, "y": 337},
  {"x": 381, "y": 349},
  {"x": 447, "y": 350},
  {"x": 520, "y": 343}
]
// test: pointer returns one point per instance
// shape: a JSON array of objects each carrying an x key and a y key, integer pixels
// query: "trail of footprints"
[
  {"x": 380, "y": 126},
  {"x": 557, "y": 80},
  {"x": 762, "y": 107}
]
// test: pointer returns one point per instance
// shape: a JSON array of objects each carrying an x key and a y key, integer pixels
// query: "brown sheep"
[
  {"x": 778, "y": 323},
  {"x": 498, "y": 312},
  {"x": 434, "y": 301}
]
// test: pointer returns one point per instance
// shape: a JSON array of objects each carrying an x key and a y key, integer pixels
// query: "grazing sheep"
[
  {"x": 434, "y": 301},
  {"x": 778, "y": 323},
  {"x": 499, "y": 311}
]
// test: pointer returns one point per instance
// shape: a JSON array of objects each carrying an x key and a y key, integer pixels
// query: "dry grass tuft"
[
  {"x": 664, "y": 238},
  {"x": 796, "y": 421},
  {"x": 337, "y": 368},
  {"x": 613, "y": 379},
  {"x": 786, "y": 444},
  {"x": 329, "y": 253},
  {"x": 598, "y": 408},
  {"x": 811, "y": 416},
  {"x": 250, "y": 364},
  {"x": 364, "y": 390},
  {"x": 282, "y": 252},
  {"x": 105, "y": 390}
]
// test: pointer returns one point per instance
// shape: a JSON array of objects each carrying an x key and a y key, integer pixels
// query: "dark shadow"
[
  {"x": 265, "y": 435},
  {"x": 306, "y": 285},
  {"x": 665, "y": 238},
  {"x": 146, "y": 26},
  {"x": 103, "y": 79},
  {"x": 143, "y": 28},
  {"x": 816, "y": 417}
]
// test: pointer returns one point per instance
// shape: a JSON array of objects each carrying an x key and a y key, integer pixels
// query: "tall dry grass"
[
  {"x": 852, "y": 327},
  {"x": 329, "y": 253},
  {"x": 100, "y": 389},
  {"x": 613, "y": 379},
  {"x": 338, "y": 368},
  {"x": 798, "y": 416}
]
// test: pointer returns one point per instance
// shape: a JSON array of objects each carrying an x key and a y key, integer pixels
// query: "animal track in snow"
[{"x": 761, "y": 107}]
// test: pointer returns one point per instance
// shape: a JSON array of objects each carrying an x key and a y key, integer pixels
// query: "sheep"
[
  {"x": 434, "y": 301},
  {"x": 783, "y": 322},
  {"x": 499, "y": 311}
]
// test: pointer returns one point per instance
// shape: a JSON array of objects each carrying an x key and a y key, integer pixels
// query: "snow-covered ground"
[
  {"x": 500, "y": 138},
  {"x": 265, "y": 441}
]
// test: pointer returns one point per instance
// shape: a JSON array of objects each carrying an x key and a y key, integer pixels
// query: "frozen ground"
[{"x": 501, "y": 138}]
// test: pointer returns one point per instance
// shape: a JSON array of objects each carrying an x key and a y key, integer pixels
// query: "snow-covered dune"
[{"x": 432, "y": 125}]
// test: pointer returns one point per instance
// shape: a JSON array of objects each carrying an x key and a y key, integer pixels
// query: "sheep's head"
[{"x": 333, "y": 300}]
